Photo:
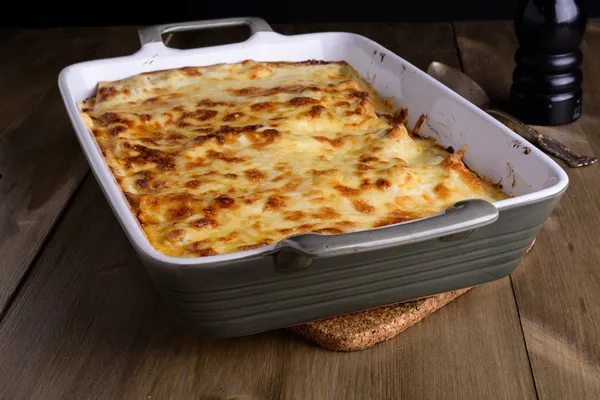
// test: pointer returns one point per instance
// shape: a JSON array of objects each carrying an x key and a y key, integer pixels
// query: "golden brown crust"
[{"x": 266, "y": 150}]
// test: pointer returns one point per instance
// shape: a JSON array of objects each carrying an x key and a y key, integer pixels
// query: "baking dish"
[{"x": 309, "y": 276}]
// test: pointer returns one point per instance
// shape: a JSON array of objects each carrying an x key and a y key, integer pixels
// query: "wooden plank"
[
  {"x": 557, "y": 285},
  {"x": 40, "y": 160},
  {"x": 89, "y": 323},
  {"x": 591, "y": 68}
]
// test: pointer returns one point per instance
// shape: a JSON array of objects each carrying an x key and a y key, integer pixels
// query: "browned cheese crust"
[{"x": 232, "y": 157}]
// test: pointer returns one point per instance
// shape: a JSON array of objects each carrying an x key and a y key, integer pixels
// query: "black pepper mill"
[{"x": 547, "y": 80}]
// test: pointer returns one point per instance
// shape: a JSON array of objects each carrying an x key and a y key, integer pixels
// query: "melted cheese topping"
[{"x": 232, "y": 157}]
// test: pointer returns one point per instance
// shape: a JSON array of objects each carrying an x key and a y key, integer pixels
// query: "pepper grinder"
[{"x": 547, "y": 80}]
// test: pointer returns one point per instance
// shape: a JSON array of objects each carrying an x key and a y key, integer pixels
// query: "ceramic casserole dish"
[{"x": 308, "y": 276}]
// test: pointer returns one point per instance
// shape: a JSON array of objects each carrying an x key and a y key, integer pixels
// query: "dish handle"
[
  {"x": 299, "y": 251},
  {"x": 153, "y": 34}
]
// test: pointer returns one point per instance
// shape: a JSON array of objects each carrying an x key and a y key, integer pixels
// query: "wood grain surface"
[
  {"x": 41, "y": 163},
  {"x": 558, "y": 285},
  {"x": 88, "y": 323}
]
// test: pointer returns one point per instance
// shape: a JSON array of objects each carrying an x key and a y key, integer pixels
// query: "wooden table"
[{"x": 80, "y": 318}]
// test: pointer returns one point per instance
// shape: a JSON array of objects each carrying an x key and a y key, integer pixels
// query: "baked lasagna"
[{"x": 231, "y": 157}]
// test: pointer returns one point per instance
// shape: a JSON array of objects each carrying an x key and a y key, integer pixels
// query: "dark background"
[{"x": 131, "y": 12}]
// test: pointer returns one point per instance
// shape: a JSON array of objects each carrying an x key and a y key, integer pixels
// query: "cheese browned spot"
[
  {"x": 194, "y": 183},
  {"x": 326, "y": 213},
  {"x": 316, "y": 111},
  {"x": 225, "y": 201},
  {"x": 363, "y": 206},
  {"x": 234, "y": 157},
  {"x": 115, "y": 130},
  {"x": 383, "y": 184},
  {"x": 175, "y": 235},
  {"x": 275, "y": 202},
  {"x": 346, "y": 191},
  {"x": 366, "y": 184},
  {"x": 333, "y": 142},
  {"x": 395, "y": 217},
  {"x": 201, "y": 250},
  {"x": 233, "y": 116},
  {"x": 204, "y": 223},
  {"x": 363, "y": 167},
  {"x": 106, "y": 93},
  {"x": 294, "y": 215},
  {"x": 180, "y": 213},
  {"x": 254, "y": 175},
  {"x": 300, "y": 101},
  {"x": 367, "y": 158}
]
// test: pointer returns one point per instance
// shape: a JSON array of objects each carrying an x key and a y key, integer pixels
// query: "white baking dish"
[{"x": 292, "y": 266}]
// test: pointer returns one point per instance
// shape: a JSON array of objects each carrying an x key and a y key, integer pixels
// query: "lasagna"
[{"x": 231, "y": 157}]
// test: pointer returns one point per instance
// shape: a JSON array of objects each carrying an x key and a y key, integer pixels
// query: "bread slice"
[{"x": 364, "y": 329}]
